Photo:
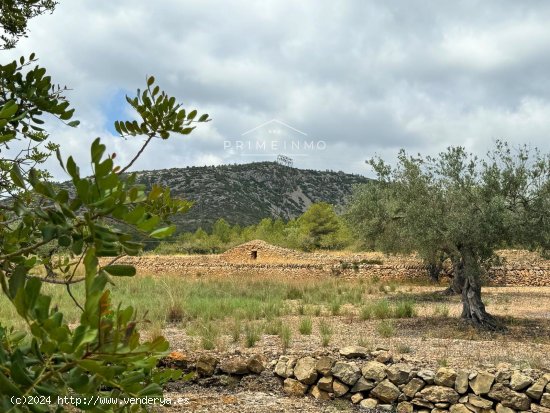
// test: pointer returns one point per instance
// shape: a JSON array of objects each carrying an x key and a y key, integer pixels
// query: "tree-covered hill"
[{"x": 244, "y": 194}]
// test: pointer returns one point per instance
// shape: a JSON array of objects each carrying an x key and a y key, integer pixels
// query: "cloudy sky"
[{"x": 355, "y": 78}]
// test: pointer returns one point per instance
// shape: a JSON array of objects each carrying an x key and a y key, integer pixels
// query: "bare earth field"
[{"x": 433, "y": 337}]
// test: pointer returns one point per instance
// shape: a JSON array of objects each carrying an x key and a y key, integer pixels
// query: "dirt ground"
[{"x": 428, "y": 339}]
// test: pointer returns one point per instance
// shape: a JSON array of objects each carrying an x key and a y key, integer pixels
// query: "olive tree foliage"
[
  {"x": 48, "y": 229},
  {"x": 459, "y": 206}
]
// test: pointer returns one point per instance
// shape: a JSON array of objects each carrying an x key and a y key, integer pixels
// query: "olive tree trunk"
[
  {"x": 473, "y": 309},
  {"x": 457, "y": 282}
]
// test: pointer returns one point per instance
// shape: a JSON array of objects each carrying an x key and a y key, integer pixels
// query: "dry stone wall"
[
  {"x": 373, "y": 381},
  {"x": 520, "y": 268}
]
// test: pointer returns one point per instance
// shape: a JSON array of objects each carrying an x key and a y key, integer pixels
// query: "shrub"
[
  {"x": 386, "y": 328},
  {"x": 252, "y": 334},
  {"x": 285, "y": 334},
  {"x": 175, "y": 314},
  {"x": 405, "y": 309},
  {"x": 306, "y": 326},
  {"x": 325, "y": 330}
]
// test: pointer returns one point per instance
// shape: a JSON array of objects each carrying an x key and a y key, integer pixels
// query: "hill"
[{"x": 245, "y": 194}]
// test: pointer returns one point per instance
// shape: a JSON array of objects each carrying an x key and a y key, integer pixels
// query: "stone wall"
[
  {"x": 520, "y": 268},
  {"x": 371, "y": 380}
]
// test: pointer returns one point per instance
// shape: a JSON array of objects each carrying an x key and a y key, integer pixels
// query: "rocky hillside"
[{"x": 244, "y": 194}]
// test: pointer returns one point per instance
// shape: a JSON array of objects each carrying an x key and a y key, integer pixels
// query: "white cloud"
[{"x": 366, "y": 77}]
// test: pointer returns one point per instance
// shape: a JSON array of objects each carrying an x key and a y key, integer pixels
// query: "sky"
[{"x": 328, "y": 84}]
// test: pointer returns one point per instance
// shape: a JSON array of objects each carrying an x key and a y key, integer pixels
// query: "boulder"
[
  {"x": 347, "y": 372},
  {"x": 354, "y": 352},
  {"x": 374, "y": 370},
  {"x": 413, "y": 387},
  {"x": 399, "y": 373},
  {"x": 427, "y": 375},
  {"x": 545, "y": 400},
  {"x": 509, "y": 397},
  {"x": 294, "y": 387},
  {"x": 325, "y": 384},
  {"x": 305, "y": 370},
  {"x": 363, "y": 385},
  {"x": 206, "y": 365},
  {"x": 256, "y": 363},
  {"x": 285, "y": 366},
  {"x": 482, "y": 382},
  {"x": 386, "y": 391},
  {"x": 520, "y": 381},
  {"x": 339, "y": 388},
  {"x": 461, "y": 382},
  {"x": 235, "y": 365},
  {"x": 324, "y": 365},
  {"x": 445, "y": 377},
  {"x": 439, "y": 394}
]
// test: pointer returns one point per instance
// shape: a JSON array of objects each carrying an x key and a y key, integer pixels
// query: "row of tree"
[{"x": 317, "y": 228}]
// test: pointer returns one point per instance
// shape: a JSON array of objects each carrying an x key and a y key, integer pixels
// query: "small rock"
[
  {"x": 356, "y": 398},
  {"x": 502, "y": 376},
  {"x": 536, "y": 390},
  {"x": 285, "y": 366},
  {"x": 368, "y": 403},
  {"x": 445, "y": 377},
  {"x": 404, "y": 407},
  {"x": 354, "y": 352},
  {"x": 503, "y": 409},
  {"x": 339, "y": 388},
  {"x": 459, "y": 408},
  {"x": 413, "y": 387},
  {"x": 374, "y": 370},
  {"x": 461, "y": 381},
  {"x": 256, "y": 363},
  {"x": 363, "y": 385},
  {"x": 480, "y": 402},
  {"x": 482, "y": 383},
  {"x": 545, "y": 400},
  {"x": 383, "y": 356},
  {"x": 398, "y": 373},
  {"x": 422, "y": 403},
  {"x": 437, "y": 394},
  {"x": 325, "y": 384},
  {"x": 386, "y": 391},
  {"x": 305, "y": 370},
  {"x": 520, "y": 381},
  {"x": 235, "y": 365},
  {"x": 294, "y": 387},
  {"x": 539, "y": 409},
  {"x": 347, "y": 372},
  {"x": 324, "y": 365},
  {"x": 206, "y": 365},
  {"x": 509, "y": 397},
  {"x": 319, "y": 394},
  {"x": 427, "y": 375}
]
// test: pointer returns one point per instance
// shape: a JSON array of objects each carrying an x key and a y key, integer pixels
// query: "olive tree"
[
  {"x": 458, "y": 206},
  {"x": 64, "y": 236}
]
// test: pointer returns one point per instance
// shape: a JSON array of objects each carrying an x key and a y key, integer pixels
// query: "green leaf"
[
  {"x": 74, "y": 123},
  {"x": 150, "y": 81},
  {"x": 120, "y": 270},
  {"x": 163, "y": 232},
  {"x": 16, "y": 176},
  {"x": 8, "y": 110}
]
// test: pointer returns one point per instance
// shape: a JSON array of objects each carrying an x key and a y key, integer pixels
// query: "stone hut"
[{"x": 261, "y": 252}]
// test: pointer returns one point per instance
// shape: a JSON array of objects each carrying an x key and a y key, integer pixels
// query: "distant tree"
[
  {"x": 460, "y": 206},
  {"x": 222, "y": 230},
  {"x": 319, "y": 222}
]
